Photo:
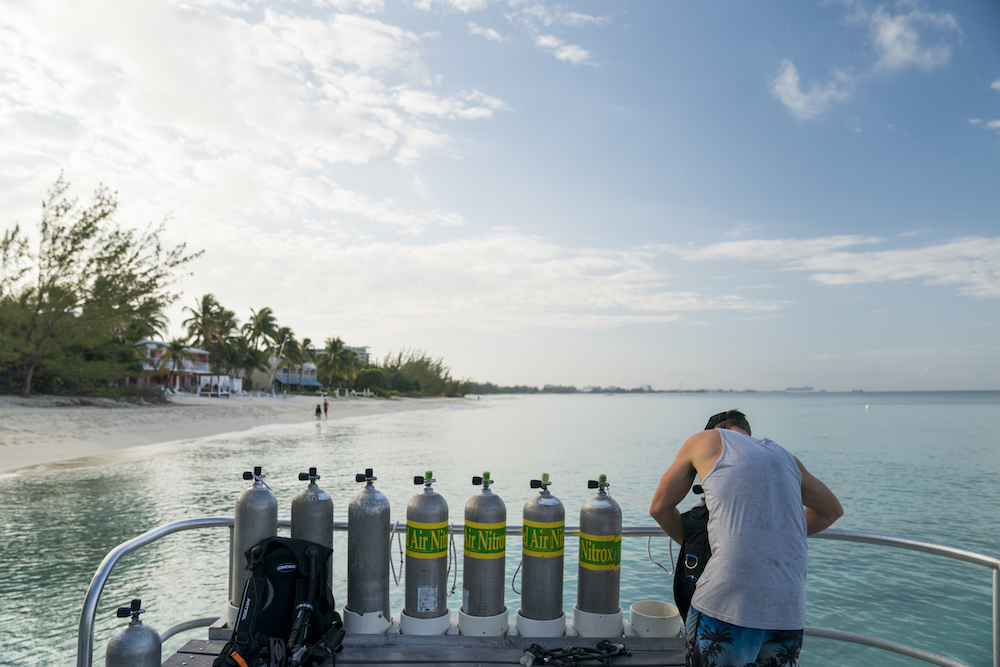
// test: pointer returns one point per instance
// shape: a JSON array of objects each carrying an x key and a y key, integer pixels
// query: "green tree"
[
  {"x": 82, "y": 282},
  {"x": 211, "y": 328},
  {"x": 174, "y": 355},
  {"x": 336, "y": 363},
  {"x": 261, "y": 327}
]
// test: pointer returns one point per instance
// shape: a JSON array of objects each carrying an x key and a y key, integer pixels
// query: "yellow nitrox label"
[
  {"x": 600, "y": 552},
  {"x": 427, "y": 540},
  {"x": 543, "y": 539},
  {"x": 485, "y": 540}
]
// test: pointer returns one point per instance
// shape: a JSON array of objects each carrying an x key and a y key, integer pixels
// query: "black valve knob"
[
  {"x": 536, "y": 483},
  {"x": 257, "y": 470},
  {"x": 303, "y": 476},
  {"x": 477, "y": 480},
  {"x": 592, "y": 484},
  {"x": 134, "y": 609},
  {"x": 419, "y": 479},
  {"x": 247, "y": 475},
  {"x": 360, "y": 477},
  {"x": 369, "y": 472}
]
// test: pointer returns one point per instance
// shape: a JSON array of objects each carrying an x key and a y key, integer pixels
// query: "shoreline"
[{"x": 46, "y": 432}]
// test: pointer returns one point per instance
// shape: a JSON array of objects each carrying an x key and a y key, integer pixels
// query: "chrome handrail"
[{"x": 85, "y": 639}]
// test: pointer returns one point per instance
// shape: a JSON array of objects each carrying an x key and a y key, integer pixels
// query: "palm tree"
[
  {"x": 262, "y": 325},
  {"x": 337, "y": 362},
  {"x": 174, "y": 354},
  {"x": 210, "y": 327}
]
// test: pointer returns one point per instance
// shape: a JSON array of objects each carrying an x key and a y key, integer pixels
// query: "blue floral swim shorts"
[{"x": 714, "y": 643}]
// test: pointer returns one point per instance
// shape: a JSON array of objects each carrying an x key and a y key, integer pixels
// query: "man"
[{"x": 750, "y": 602}]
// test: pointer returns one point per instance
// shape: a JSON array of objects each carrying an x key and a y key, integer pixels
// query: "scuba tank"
[
  {"x": 541, "y": 613},
  {"x": 367, "y": 609},
  {"x": 426, "y": 609},
  {"x": 597, "y": 612},
  {"x": 312, "y": 512},
  {"x": 256, "y": 518},
  {"x": 483, "y": 613},
  {"x": 135, "y": 645}
]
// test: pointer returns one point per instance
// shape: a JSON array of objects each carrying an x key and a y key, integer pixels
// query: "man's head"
[{"x": 729, "y": 419}]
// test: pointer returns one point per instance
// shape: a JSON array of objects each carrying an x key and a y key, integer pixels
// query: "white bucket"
[{"x": 652, "y": 618}]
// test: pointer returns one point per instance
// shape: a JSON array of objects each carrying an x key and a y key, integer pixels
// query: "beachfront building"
[
  {"x": 297, "y": 378},
  {"x": 183, "y": 375},
  {"x": 361, "y": 352}
]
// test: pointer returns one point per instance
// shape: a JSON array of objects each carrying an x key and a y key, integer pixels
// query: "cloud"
[
  {"x": 148, "y": 93},
  {"x": 488, "y": 33},
  {"x": 464, "y": 6},
  {"x": 971, "y": 264},
  {"x": 500, "y": 282},
  {"x": 566, "y": 52},
  {"x": 576, "y": 20},
  {"x": 911, "y": 37},
  {"x": 806, "y": 104},
  {"x": 900, "y": 39},
  {"x": 995, "y": 85}
]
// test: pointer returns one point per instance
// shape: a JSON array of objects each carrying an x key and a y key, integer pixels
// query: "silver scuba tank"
[
  {"x": 135, "y": 645},
  {"x": 543, "y": 532},
  {"x": 256, "y": 518},
  {"x": 485, "y": 552},
  {"x": 312, "y": 512},
  {"x": 368, "y": 549},
  {"x": 426, "y": 552},
  {"x": 600, "y": 552}
]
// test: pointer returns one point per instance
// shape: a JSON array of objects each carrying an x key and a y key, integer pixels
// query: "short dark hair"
[{"x": 728, "y": 419}]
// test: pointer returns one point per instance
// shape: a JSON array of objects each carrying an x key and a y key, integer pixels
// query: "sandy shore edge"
[{"x": 47, "y": 432}]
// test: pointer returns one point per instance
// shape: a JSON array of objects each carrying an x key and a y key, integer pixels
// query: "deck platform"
[{"x": 452, "y": 651}]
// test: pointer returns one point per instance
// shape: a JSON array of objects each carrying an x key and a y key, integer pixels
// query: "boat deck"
[{"x": 446, "y": 651}]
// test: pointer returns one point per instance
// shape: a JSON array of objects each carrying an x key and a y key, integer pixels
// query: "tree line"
[{"x": 82, "y": 297}]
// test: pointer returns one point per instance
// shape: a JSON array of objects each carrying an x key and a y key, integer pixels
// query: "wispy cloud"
[
  {"x": 805, "y": 104},
  {"x": 169, "y": 94},
  {"x": 464, "y": 6},
  {"x": 499, "y": 282},
  {"x": 901, "y": 40},
  {"x": 907, "y": 37},
  {"x": 971, "y": 264},
  {"x": 576, "y": 20},
  {"x": 566, "y": 52},
  {"x": 488, "y": 33}
]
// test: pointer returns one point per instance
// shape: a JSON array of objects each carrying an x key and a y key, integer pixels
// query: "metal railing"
[{"x": 85, "y": 639}]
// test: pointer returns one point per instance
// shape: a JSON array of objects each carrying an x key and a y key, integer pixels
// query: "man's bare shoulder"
[{"x": 703, "y": 449}]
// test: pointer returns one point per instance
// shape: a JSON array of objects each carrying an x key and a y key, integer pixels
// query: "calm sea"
[{"x": 920, "y": 465}]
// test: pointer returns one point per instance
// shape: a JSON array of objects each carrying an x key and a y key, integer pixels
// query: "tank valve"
[
  {"x": 367, "y": 476},
  {"x": 542, "y": 483},
  {"x": 311, "y": 476},
  {"x": 427, "y": 479},
  {"x": 132, "y": 610},
  {"x": 484, "y": 481},
  {"x": 600, "y": 483}
]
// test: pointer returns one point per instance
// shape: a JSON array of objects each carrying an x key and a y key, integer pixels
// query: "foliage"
[
  {"x": 69, "y": 300},
  {"x": 413, "y": 371},
  {"x": 490, "y": 388}
]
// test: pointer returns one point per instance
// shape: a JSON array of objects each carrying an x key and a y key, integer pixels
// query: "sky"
[{"x": 724, "y": 195}]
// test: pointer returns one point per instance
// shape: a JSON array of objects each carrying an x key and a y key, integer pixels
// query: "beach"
[{"x": 48, "y": 431}]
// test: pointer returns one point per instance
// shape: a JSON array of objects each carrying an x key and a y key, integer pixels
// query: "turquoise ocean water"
[{"x": 920, "y": 465}]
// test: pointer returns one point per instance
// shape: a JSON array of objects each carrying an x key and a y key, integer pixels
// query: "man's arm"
[
  {"x": 822, "y": 507},
  {"x": 672, "y": 489}
]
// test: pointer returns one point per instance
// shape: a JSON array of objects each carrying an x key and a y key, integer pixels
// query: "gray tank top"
[{"x": 756, "y": 577}]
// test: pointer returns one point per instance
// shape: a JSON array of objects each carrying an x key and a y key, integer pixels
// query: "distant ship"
[{"x": 799, "y": 389}]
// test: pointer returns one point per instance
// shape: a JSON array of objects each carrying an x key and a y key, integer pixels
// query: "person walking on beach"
[
  {"x": 319, "y": 411},
  {"x": 750, "y": 602},
  {"x": 326, "y": 407}
]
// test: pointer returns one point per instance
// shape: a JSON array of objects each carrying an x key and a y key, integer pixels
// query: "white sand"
[{"x": 44, "y": 431}]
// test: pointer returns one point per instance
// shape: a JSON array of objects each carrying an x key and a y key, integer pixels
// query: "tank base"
[
  {"x": 483, "y": 626},
  {"x": 231, "y": 615},
  {"x": 530, "y": 627},
  {"x": 409, "y": 625},
  {"x": 598, "y": 625},
  {"x": 372, "y": 623}
]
